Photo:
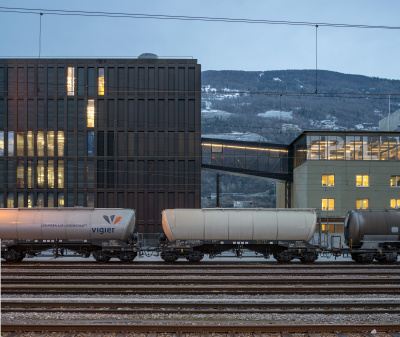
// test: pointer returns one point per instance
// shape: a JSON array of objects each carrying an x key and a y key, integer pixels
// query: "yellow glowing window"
[
  {"x": 30, "y": 143},
  {"x": 60, "y": 143},
  {"x": 395, "y": 181},
  {"x": 40, "y": 173},
  {"x": 40, "y": 143},
  {"x": 362, "y": 203},
  {"x": 101, "y": 81},
  {"x": 90, "y": 113},
  {"x": 20, "y": 144},
  {"x": 71, "y": 81},
  {"x": 50, "y": 174},
  {"x": 60, "y": 174},
  {"x": 328, "y": 204},
  {"x": 394, "y": 203},
  {"x": 362, "y": 180},
  {"x": 50, "y": 143},
  {"x": 328, "y": 180}
]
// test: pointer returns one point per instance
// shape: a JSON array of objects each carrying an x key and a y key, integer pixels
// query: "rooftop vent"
[{"x": 148, "y": 56}]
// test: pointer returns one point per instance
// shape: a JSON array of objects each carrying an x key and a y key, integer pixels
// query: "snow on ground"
[
  {"x": 210, "y": 113},
  {"x": 287, "y": 115},
  {"x": 247, "y": 137}
]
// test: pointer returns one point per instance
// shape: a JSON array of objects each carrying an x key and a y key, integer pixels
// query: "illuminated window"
[
  {"x": 101, "y": 81},
  {"x": 71, "y": 81},
  {"x": 50, "y": 143},
  {"x": 50, "y": 174},
  {"x": 362, "y": 180},
  {"x": 40, "y": 143},
  {"x": 20, "y": 199},
  {"x": 30, "y": 199},
  {"x": 40, "y": 173},
  {"x": 395, "y": 181},
  {"x": 60, "y": 200},
  {"x": 394, "y": 203},
  {"x": 30, "y": 175},
  {"x": 11, "y": 143},
  {"x": 328, "y": 180},
  {"x": 60, "y": 143},
  {"x": 90, "y": 113},
  {"x": 328, "y": 204},
  {"x": 60, "y": 174},
  {"x": 362, "y": 204},
  {"x": 216, "y": 149},
  {"x": 30, "y": 143},
  {"x": 20, "y": 143},
  {"x": 10, "y": 200}
]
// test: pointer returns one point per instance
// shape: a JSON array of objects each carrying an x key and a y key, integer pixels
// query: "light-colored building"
[
  {"x": 339, "y": 171},
  {"x": 391, "y": 122}
]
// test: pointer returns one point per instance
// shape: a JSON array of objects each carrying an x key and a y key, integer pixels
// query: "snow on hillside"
[
  {"x": 246, "y": 137},
  {"x": 211, "y": 113},
  {"x": 286, "y": 115}
]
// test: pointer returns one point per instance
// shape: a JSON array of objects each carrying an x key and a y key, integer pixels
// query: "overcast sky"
[{"x": 216, "y": 45}]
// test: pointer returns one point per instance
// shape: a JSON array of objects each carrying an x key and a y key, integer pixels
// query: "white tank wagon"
[
  {"x": 285, "y": 233},
  {"x": 83, "y": 230}
]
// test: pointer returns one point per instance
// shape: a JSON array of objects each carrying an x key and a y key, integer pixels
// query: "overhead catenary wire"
[{"x": 21, "y": 10}]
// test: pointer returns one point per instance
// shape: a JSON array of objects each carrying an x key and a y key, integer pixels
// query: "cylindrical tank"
[
  {"x": 370, "y": 222},
  {"x": 77, "y": 223},
  {"x": 239, "y": 224}
]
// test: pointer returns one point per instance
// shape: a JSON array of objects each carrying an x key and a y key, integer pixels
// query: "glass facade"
[
  {"x": 338, "y": 146},
  {"x": 101, "y": 133}
]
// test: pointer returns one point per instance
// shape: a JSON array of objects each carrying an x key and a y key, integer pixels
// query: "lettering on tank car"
[{"x": 103, "y": 230}]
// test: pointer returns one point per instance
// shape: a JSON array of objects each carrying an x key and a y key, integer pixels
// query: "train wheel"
[
  {"x": 195, "y": 257},
  {"x": 169, "y": 257},
  {"x": 283, "y": 257},
  {"x": 127, "y": 257},
  {"x": 101, "y": 257},
  {"x": 387, "y": 258},
  {"x": 309, "y": 258},
  {"x": 11, "y": 256},
  {"x": 365, "y": 258}
]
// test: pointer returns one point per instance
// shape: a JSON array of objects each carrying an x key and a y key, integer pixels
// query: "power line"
[{"x": 20, "y": 10}]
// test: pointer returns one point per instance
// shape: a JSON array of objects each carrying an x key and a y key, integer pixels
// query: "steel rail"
[
  {"x": 201, "y": 290},
  {"x": 200, "y": 265},
  {"x": 206, "y": 328},
  {"x": 299, "y": 310},
  {"x": 180, "y": 281},
  {"x": 204, "y": 273}
]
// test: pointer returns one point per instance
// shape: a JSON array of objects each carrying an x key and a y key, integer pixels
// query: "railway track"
[
  {"x": 354, "y": 330},
  {"x": 204, "y": 297}
]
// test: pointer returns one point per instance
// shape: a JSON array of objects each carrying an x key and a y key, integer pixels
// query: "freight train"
[{"x": 192, "y": 233}]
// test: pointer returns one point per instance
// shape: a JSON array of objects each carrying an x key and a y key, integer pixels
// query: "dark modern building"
[{"x": 101, "y": 133}]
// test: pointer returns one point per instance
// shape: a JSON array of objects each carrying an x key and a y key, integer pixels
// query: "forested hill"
[{"x": 278, "y": 105}]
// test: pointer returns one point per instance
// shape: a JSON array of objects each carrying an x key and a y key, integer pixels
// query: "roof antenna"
[{"x": 40, "y": 35}]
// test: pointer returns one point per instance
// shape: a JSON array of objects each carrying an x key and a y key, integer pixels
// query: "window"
[
  {"x": 328, "y": 204},
  {"x": 50, "y": 174},
  {"x": 11, "y": 143},
  {"x": 394, "y": 203},
  {"x": 20, "y": 143},
  {"x": 90, "y": 113},
  {"x": 60, "y": 174},
  {"x": 362, "y": 204},
  {"x": 60, "y": 200},
  {"x": 1, "y": 143},
  {"x": 30, "y": 174},
  {"x": 40, "y": 174},
  {"x": 50, "y": 143},
  {"x": 20, "y": 174},
  {"x": 328, "y": 180},
  {"x": 71, "y": 81},
  {"x": 395, "y": 181},
  {"x": 101, "y": 81},
  {"x": 60, "y": 143},
  {"x": 40, "y": 143},
  {"x": 30, "y": 143},
  {"x": 362, "y": 180}
]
